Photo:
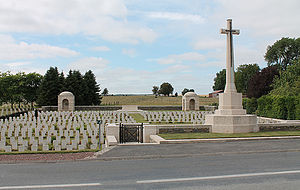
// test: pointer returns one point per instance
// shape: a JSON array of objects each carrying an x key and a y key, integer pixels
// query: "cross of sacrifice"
[{"x": 230, "y": 86}]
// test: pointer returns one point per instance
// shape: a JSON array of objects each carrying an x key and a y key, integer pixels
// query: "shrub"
[
  {"x": 250, "y": 104},
  {"x": 280, "y": 107}
]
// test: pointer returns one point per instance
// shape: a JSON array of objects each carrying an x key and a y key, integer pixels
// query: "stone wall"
[
  {"x": 114, "y": 108},
  {"x": 161, "y": 108},
  {"x": 184, "y": 129},
  {"x": 289, "y": 126},
  {"x": 279, "y": 127},
  {"x": 85, "y": 108}
]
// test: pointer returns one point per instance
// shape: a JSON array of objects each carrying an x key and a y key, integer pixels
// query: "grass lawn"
[
  {"x": 151, "y": 100},
  {"x": 138, "y": 118},
  {"x": 222, "y": 135}
]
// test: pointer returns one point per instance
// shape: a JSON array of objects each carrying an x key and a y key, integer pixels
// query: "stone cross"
[{"x": 230, "y": 86}]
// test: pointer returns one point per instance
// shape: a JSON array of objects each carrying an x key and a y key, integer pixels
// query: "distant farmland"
[{"x": 150, "y": 100}]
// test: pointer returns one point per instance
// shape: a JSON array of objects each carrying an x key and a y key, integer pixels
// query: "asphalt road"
[{"x": 279, "y": 169}]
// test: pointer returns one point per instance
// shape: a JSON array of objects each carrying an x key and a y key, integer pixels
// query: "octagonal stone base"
[{"x": 232, "y": 123}]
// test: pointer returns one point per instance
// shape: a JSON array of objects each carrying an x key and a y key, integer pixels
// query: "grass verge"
[{"x": 170, "y": 136}]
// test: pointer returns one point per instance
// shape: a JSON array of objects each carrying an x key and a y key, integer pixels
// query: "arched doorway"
[
  {"x": 65, "y": 104},
  {"x": 192, "y": 104}
]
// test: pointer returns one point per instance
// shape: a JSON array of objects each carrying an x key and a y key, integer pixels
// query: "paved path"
[{"x": 183, "y": 150}]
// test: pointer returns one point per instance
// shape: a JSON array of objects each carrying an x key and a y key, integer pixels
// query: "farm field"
[{"x": 149, "y": 100}]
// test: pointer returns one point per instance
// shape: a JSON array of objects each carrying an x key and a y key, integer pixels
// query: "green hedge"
[
  {"x": 280, "y": 107},
  {"x": 250, "y": 104}
]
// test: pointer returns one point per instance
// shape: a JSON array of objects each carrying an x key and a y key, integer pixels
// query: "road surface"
[{"x": 277, "y": 169}]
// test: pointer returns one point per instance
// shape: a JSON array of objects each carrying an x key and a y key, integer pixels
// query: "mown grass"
[
  {"x": 151, "y": 100},
  {"x": 223, "y": 135},
  {"x": 138, "y": 118}
]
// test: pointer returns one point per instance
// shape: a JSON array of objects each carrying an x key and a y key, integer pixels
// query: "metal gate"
[{"x": 131, "y": 133}]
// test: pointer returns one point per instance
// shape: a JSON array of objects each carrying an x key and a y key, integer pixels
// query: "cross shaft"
[{"x": 230, "y": 85}]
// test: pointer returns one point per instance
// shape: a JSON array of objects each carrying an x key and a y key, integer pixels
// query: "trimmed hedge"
[
  {"x": 250, "y": 104},
  {"x": 280, "y": 107}
]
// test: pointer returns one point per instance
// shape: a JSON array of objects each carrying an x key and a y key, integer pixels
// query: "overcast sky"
[{"x": 131, "y": 45}]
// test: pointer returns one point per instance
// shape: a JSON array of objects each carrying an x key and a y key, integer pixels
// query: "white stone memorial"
[
  {"x": 230, "y": 116},
  {"x": 66, "y": 101},
  {"x": 190, "y": 101}
]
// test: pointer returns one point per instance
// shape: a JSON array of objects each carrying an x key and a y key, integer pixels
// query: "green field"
[
  {"x": 222, "y": 135},
  {"x": 151, "y": 100}
]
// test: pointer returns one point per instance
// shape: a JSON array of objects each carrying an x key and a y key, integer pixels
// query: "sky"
[{"x": 132, "y": 45}]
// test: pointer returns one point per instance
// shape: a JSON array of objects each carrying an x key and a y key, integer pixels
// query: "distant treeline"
[{"x": 33, "y": 87}]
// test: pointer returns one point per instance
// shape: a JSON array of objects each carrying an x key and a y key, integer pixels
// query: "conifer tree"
[{"x": 51, "y": 86}]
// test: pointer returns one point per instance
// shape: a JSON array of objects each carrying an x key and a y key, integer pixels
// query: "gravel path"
[{"x": 45, "y": 157}]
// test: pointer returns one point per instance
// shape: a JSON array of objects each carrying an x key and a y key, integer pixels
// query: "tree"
[
  {"x": 166, "y": 89},
  {"x": 261, "y": 83},
  {"x": 74, "y": 83},
  {"x": 242, "y": 76},
  {"x": 155, "y": 90},
  {"x": 176, "y": 94},
  {"x": 91, "y": 95},
  {"x": 185, "y": 90},
  {"x": 288, "y": 82},
  {"x": 283, "y": 52},
  {"x": 10, "y": 90},
  {"x": 105, "y": 92},
  {"x": 220, "y": 80},
  {"x": 51, "y": 86},
  {"x": 30, "y": 87}
]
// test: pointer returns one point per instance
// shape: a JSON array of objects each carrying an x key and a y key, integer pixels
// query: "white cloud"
[
  {"x": 176, "y": 16},
  {"x": 264, "y": 18},
  {"x": 176, "y": 69},
  {"x": 100, "y": 48},
  {"x": 17, "y": 64},
  {"x": 105, "y": 18},
  {"x": 179, "y": 58},
  {"x": 130, "y": 52},
  {"x": 96, "y": 64},
  {"x": 11, "y": 50},
  {"x": 206, "y": 44}
]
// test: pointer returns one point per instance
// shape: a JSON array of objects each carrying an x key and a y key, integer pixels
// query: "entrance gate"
[{"x": 131, "y": 133}]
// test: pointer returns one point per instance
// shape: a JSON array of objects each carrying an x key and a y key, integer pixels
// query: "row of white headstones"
[
  {"x": 72, "y": 130},
  {"x": 194, "y": 117}
]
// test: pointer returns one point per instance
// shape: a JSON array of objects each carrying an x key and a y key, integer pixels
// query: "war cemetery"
[{"x": 56, "y": 115}]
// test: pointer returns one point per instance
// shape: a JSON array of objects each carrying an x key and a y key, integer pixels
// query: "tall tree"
[
  {"x": 51, "y": 86},
  {"x": 261, "y": 83},
  {"x": 105, "y": 92},
  {"x": 74, "y": 83},
  {"x": 283, "y": 52},
  {"x": 166, "y": 89},
  {"x": 91, "y": 95},
  {"x": 185, "y": 90},
  {"x": 30, "y": 87},
  {"x": 243, "y": 74},
  {"x": 155, "y": 90},
  {"x": 288, "y": 82},
  {"x": 220, "y": 80}
]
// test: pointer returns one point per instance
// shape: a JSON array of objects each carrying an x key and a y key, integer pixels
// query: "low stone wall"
[
  {"x": 115, "y": 108},
  {"x": 289, "y": 126},
  {"x": 85, "y": 108},
  {"x": 184, "y": 129},
  {"x": 151, "y": 108},
  {"x": 161, "y": 108},
  {"x": 263, "y": 127}
]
